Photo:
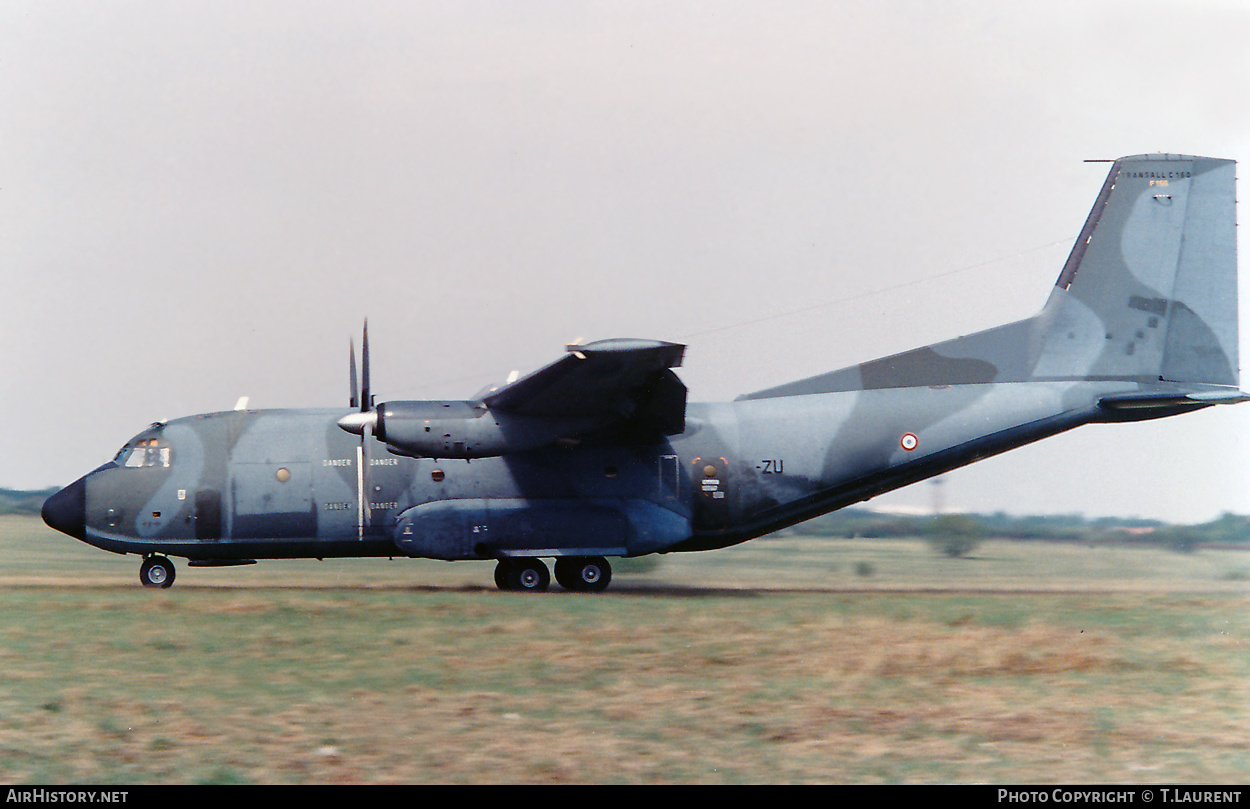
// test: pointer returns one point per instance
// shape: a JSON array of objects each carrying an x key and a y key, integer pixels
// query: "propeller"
[{"x": 361, "y": 422}]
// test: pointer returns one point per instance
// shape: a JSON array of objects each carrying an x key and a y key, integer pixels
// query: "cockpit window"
[{"x": 147, "y": 452}]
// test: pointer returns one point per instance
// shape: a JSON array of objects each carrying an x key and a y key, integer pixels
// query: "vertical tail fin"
[{"x": 1149, "y": 292}]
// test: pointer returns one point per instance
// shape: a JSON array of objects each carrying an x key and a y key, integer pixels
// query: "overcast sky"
[{"x": 202, "y": 200}]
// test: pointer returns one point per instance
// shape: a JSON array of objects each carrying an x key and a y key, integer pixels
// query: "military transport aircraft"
[{"x": 598, "y": 454}]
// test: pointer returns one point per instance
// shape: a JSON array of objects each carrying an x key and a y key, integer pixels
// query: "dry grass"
[{"x": 663, "y": 680}]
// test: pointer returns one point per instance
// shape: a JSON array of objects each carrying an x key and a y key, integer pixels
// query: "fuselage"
[{"x": 289, "y": 483}]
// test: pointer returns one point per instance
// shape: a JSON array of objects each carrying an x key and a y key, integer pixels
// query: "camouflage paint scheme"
[{"x": 599, "y": 454}]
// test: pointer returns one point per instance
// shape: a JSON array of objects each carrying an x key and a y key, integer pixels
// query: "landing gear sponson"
[{"x": 585, "y": 574}]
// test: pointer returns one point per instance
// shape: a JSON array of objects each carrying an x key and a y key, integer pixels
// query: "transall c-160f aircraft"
[{"x": 599, "y": 455}]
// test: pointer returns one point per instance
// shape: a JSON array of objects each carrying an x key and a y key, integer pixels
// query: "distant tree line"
[
  {"x": 15, "y": 501},
  {"x": 950, "y": 532}
]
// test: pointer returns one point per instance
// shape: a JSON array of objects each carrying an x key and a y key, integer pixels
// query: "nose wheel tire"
[
  {"x": 156, "y": 571},
  {"x": 586, "y": 574},
  {"x": 522, "y": 575}
]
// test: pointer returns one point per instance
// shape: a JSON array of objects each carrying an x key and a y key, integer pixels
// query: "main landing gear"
[
  {"x": 586, "y": 574},
  {"x": 156, "y": 571}
]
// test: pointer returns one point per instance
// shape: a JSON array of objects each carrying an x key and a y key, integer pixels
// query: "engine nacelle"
[{"x": 435, "y": 429}]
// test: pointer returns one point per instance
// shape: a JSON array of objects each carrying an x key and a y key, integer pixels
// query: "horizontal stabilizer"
[{"x": 1167, "y": 399}]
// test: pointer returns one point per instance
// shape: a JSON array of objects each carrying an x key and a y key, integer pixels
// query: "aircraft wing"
[{"x": 620, "y": 378}]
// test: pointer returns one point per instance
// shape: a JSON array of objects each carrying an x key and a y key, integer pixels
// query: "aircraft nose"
[{"x": 66, "y": 511}]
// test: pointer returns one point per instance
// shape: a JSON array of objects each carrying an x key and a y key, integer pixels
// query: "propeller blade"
[
  {"x": 364, "y": 509},
  {"x": 355, "y": 395},
  {"x": 366, "y": 399},
  {"x": 366, "y": 486}
]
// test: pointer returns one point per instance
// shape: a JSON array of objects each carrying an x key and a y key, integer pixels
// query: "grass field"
[{"x": 782, "y": 660}]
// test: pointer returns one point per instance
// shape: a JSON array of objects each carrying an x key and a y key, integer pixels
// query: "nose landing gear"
[{"x": 156, "y": 571}]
